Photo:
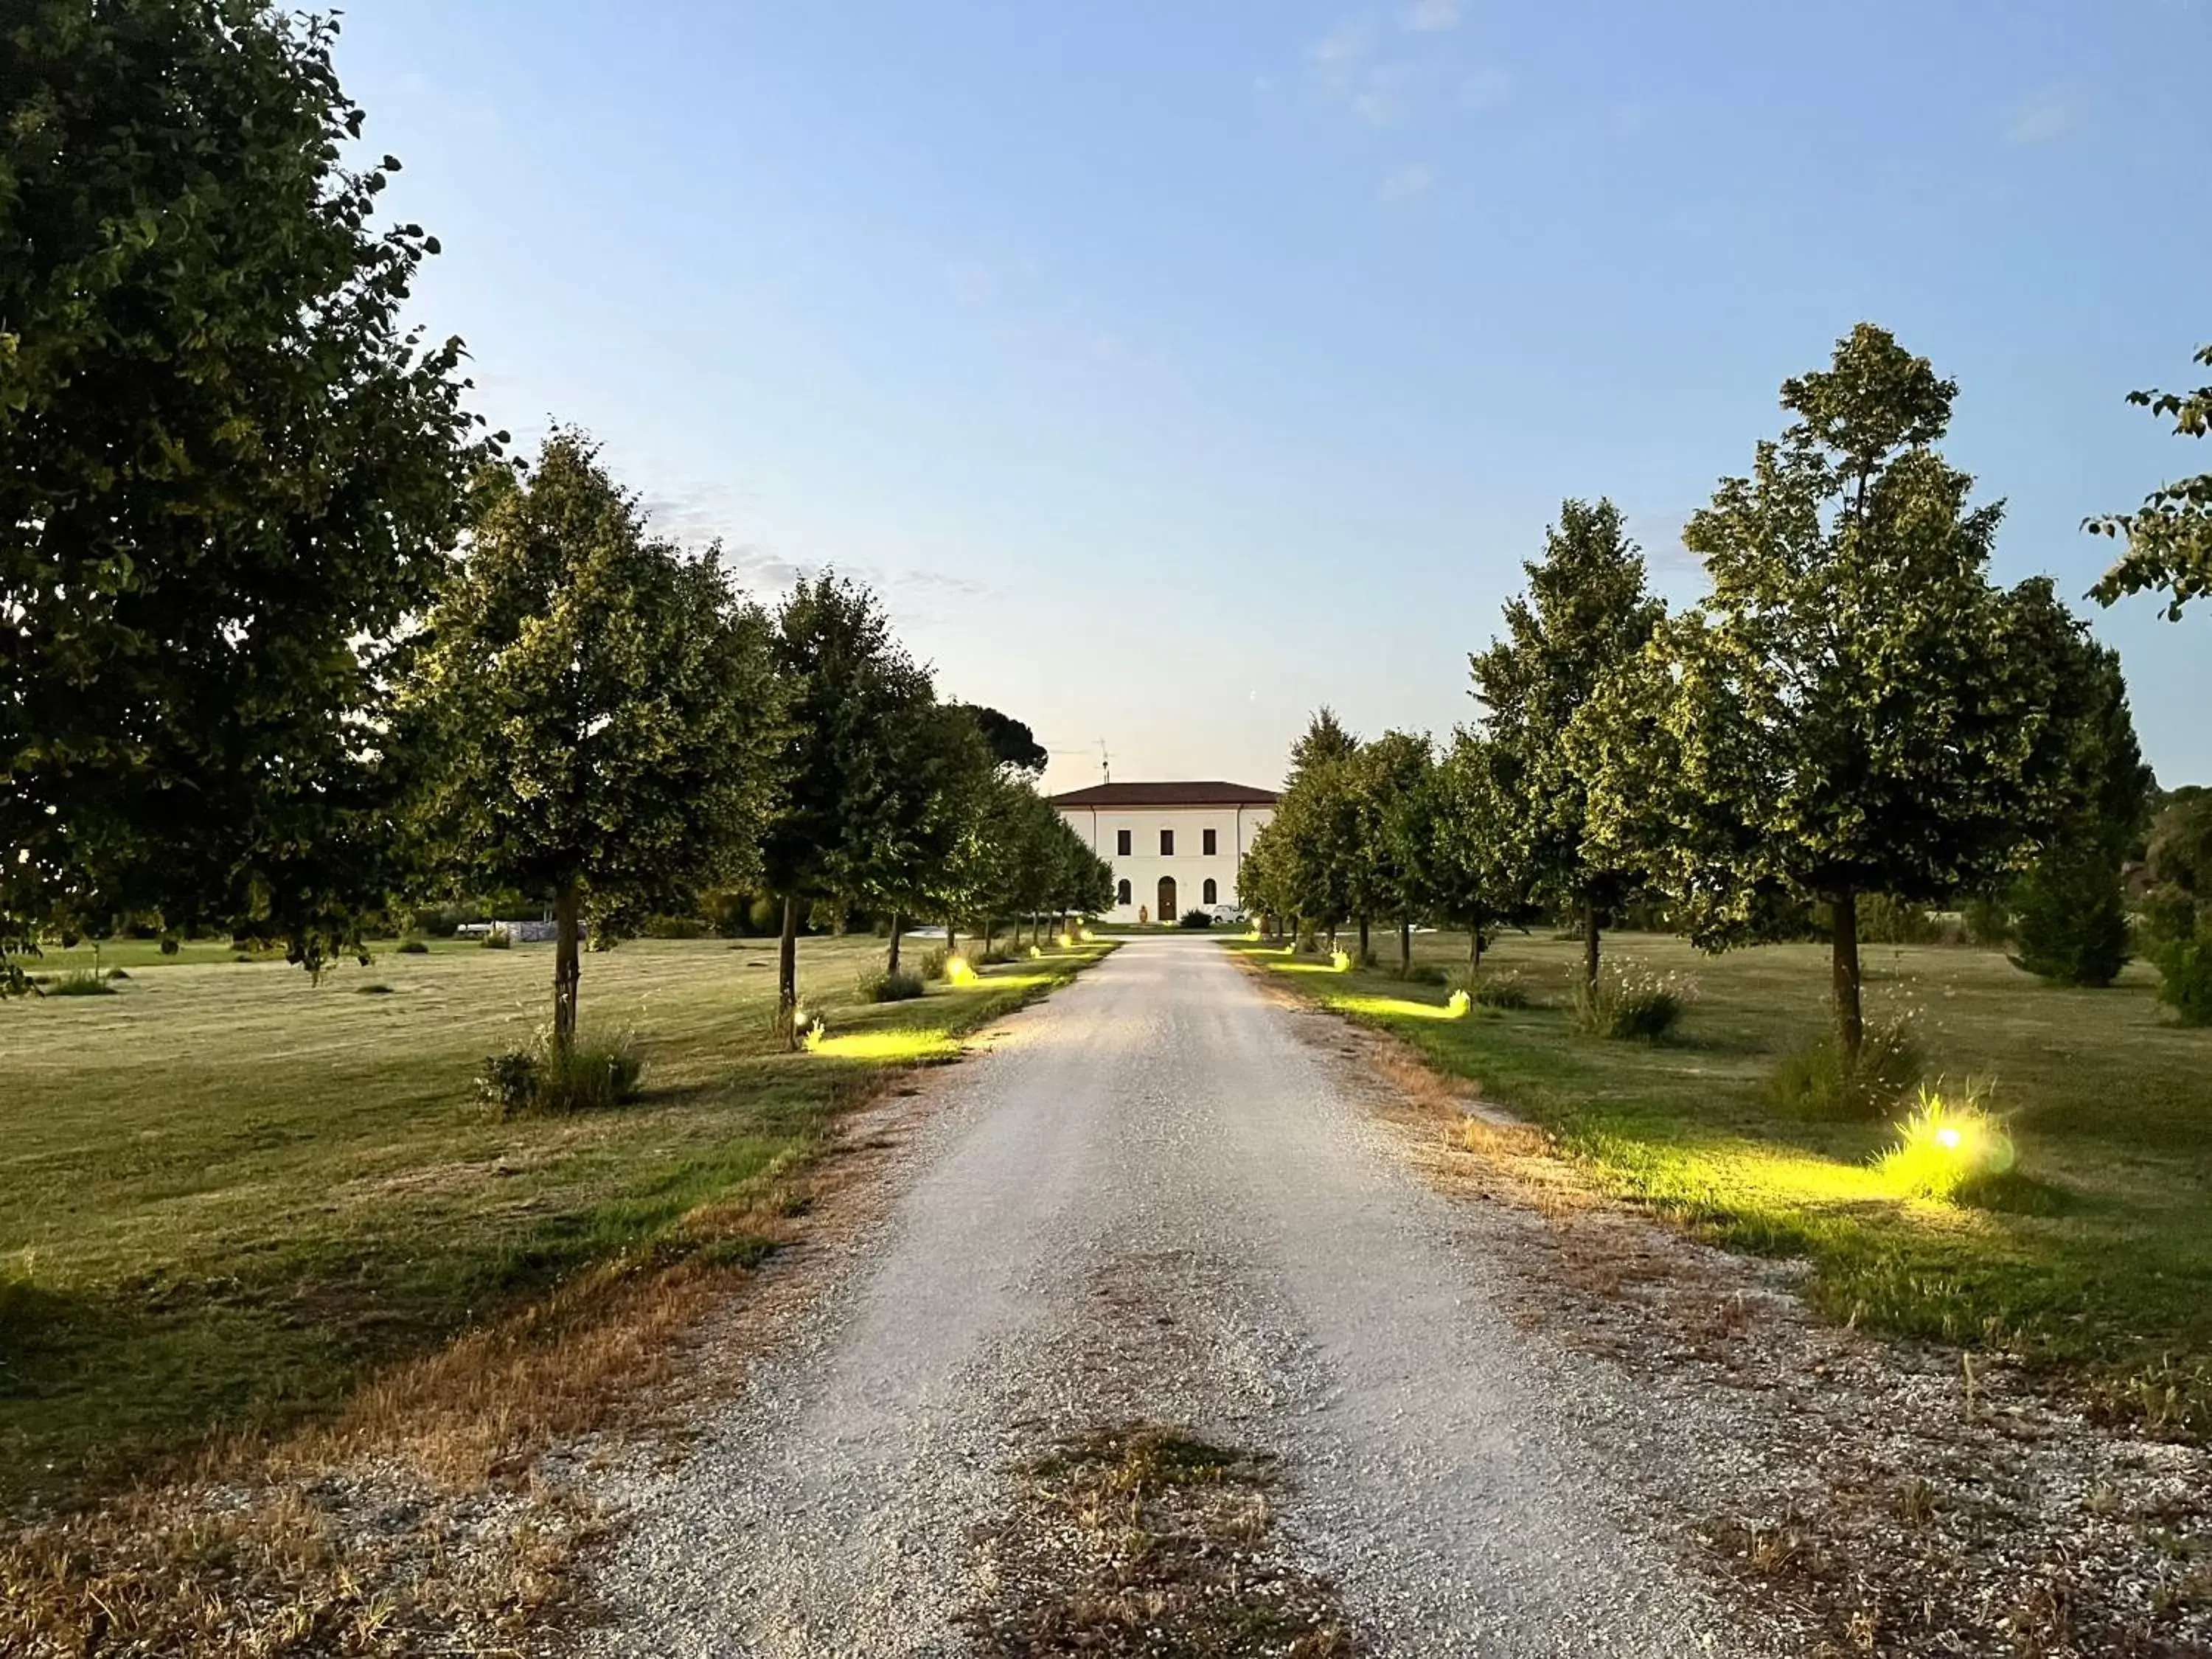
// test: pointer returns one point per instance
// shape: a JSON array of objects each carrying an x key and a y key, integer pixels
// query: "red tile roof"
[{"x": 1167, "y": 795}]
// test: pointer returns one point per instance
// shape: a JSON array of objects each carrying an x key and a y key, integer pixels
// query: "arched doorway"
[
  {"x": 1167, "y": 912},
  {"x": 1209, "y": 894}
]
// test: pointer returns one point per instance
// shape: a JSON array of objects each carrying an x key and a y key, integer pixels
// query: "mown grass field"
[
  {"x": 226, "y": 1194},
  {"x": 2099, "y": 1264}
]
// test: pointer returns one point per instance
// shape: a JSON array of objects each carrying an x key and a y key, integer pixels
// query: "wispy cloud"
[
  {"x": 1337, "y": 51},
  {"x": 1425, "y": 16},
  {"x": 2045, "y": 117},
  {"x": 1407, "y": 183}
]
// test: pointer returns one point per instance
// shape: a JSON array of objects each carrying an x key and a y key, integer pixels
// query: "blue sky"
[{"x": 1173, "y": 370}]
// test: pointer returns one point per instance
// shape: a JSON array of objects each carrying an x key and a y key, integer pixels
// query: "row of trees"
[
  {"x": 1855, "y": 710},
  {"x": 285, "y": 638}
]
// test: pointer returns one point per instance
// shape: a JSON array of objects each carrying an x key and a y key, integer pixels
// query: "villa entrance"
[{"x": 1167, "y": 912}]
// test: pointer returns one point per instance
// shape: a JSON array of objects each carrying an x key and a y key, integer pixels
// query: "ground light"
[
  {"x": 1341, "y": 961},
  {"x": 1066, "y": 941},
  {"x": 1947, "y": 1142},
  {"x": 958, "y": 971}
]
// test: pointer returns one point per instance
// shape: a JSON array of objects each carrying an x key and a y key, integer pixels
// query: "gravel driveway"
[{"x": 1153, "y": 1202}]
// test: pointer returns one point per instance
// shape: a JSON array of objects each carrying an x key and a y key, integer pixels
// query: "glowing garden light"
[
  {"x": 958, "y": 971},
  {"x": 1341, "y": 961},
  {"x": 1067, "y": 941},
  {"x": 1947, "y": 1143},
  {"x": 1459, "y": 1003}
]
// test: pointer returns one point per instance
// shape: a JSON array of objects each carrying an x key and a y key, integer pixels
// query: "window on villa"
[
  {"x": 1167, "y": 843},
  {"x": 1206, "y": 846},
  {"x": 1121, "y": 846},
  {"x": 1211, "y": 894},
  {"x": 1122, "y": 893}
]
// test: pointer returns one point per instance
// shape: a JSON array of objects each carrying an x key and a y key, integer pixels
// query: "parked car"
[{"x": 1226, "y": 916}]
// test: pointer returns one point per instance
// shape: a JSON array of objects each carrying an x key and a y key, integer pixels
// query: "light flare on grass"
[
  {"x": 910, "y": 1043},
  {"x": 1397, "y": 1007},
  {"x": 1946, "y": 1143}
]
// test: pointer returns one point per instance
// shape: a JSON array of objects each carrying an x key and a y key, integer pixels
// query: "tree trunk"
[
  {"x": 1851, "y": 1023},
  {"x": 1589, "y": 948},
  {"x": 898, "y": 927},
  {"x": 1364, "y": 948},
  {"x": 786, "y": 972},
  {"x": 990, "y": 931},
  {"x": 1473, "y": 953},
  {"x": 568, "y": 968},
  {"x": 1404, "y": 948},
  {"x": 951, "y": 938}
]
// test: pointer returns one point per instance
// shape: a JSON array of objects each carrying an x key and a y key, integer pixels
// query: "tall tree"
[
  {"x": 227, "y": 475},
  {"x": 601, "y": 711},
  {"x": 853, "y": 692},
  {"x": 1480, "y": 864},
  {"x": 2071, "y": 916},
  {"x": 2169, "y": 537},
  {"x": 1586, "y": 612},
  {"x": 1855, "y": 709},
  {"x": 1316, "y": 830},
  {"x": 1396, "y": 779},
  {"x": 1012, "y": 745}
]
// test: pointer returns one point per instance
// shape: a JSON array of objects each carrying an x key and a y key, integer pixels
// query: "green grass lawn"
[
  {"x": 2101, "y": 1259},
  {"x": 226, "y": 1191}
]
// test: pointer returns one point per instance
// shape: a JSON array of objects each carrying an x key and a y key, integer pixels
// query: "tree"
[
  {"x": 1480, "y": 864},
  {"x": 852, "y": 691},
  {"x": 1011, "y": 743},
  {"x": 601, "y": 710},
  {"x": 2169, "y": 537},
  {"x": 1395, "y": 777},
  {"x": 917, "y": 848},
  {"x": 2070, "y": 917},
  {"x": 1586, "y": 611},
  {"x": 1316, "y": 831},
  {"x": 1855, "y": 709},
  {"x": 227, "y": 475}
]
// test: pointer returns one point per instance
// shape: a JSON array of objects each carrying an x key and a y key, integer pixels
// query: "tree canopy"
[
  {"x": 2169, "y": 537},
  {"x": 229, "y": 476},
  {"x": 598, "y": 713}
]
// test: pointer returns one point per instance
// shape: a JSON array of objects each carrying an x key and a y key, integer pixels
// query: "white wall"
[{"x": 1143, "y": 866}]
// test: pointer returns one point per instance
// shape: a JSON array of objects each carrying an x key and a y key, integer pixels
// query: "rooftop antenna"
[{"x": 1105, "y": 763}]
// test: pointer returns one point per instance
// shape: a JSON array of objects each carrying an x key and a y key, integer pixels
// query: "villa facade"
[{"x": 1175, "y": 847}]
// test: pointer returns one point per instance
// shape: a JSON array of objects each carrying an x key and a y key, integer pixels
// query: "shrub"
[
  {"x": 1628, "y": 1001},
  {"x": 1420, "y": 973},
  {"x": 2185, "y": 967},
  {"x": 592, "y": 1074},
  {"x": 764, "y": 917},
  {"x": 1506, "y": 990},
  {"x": 413, "y": 947},
  {"x": 672, "y": 927},
  {"x": 1884, "y": 920},
  {"x": 1195, "y": 919},
  {"x": 892, "y": 985},
  {"x": 498, "y": 941},
  {"x": 1948, "y": 1144},
  {"x": 934, "y": 961},
  {"x": 2071, "y": 922},
  {"x": 1819, "y": 1081},
  {"x": 997, "y": 957},
  {"x": 117, "y": 973},
  {"x": 80, "y": 983}
]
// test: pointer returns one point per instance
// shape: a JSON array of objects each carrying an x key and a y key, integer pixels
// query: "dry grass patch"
[{"x": 1147, "y": 1541}]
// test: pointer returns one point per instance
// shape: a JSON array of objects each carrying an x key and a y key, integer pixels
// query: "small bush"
[
  {"x": 1989, "y": 922},
  {"x": 413, "y": 947},
  {"x": 672, "y": 927},
  {"x": 892, "y": 985},
  {"x": 2071, "y": 919},
  {"x": 2185, "y": 967},
  {"x": 1195, "y": 920},
  {"x": 1628, "y": 1001},
  {"x": 80, "y": 983},
  {"x": 116, "y": 974},
  {"x": 592, "y": 1074},
  {"x": 1421, "y": 973},
  {"x": 1819, "y": 1081},
  {"x": 934, "y": 961},
  {"x": 1948, "y": 1145},
  {"x": 996, "y": 958},
  {"x": 1884, "y": 920},
  {"x": 1506, "y": 990},
  {"x": 498, "y": 942}
]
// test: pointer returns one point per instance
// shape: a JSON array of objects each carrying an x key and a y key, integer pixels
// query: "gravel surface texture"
[{"x": 1157, "y": 1202}]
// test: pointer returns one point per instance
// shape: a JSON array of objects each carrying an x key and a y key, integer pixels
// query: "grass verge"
[
  {"x": 230, "y": 1197},
  {"x": 2092, "y": 1257}
]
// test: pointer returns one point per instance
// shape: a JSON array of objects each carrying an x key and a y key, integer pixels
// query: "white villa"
[{"x": 1174, "y": 846}]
